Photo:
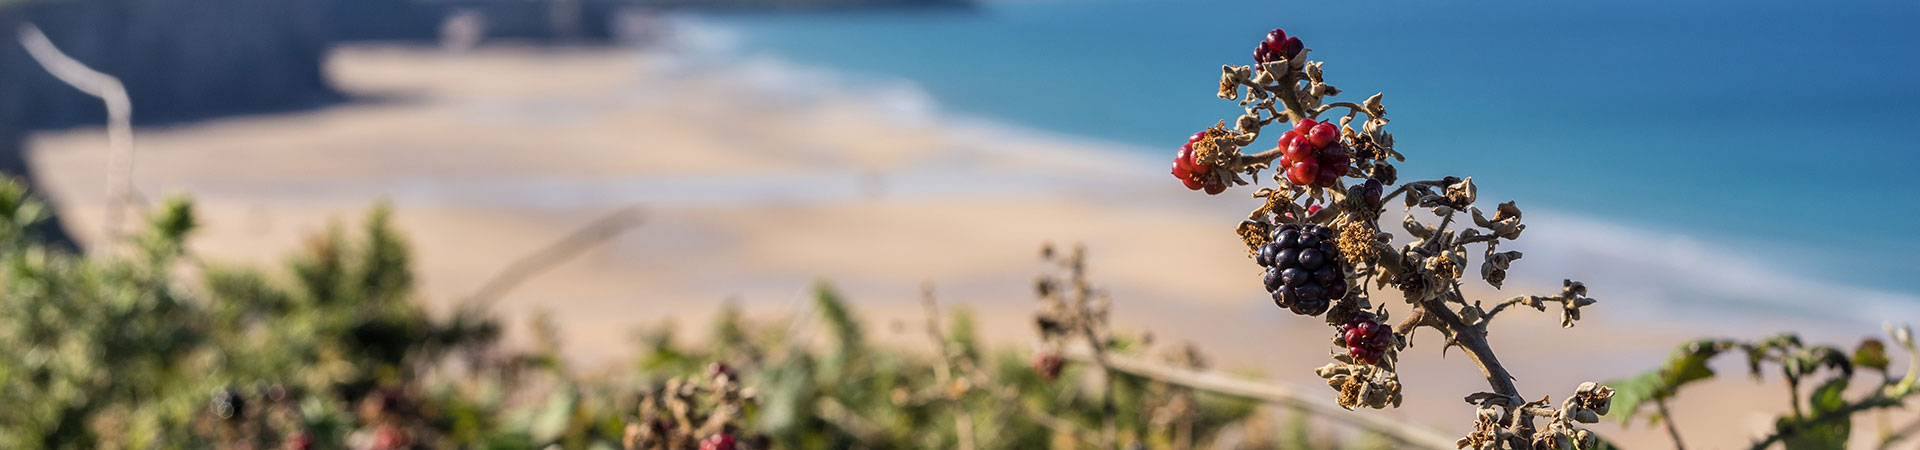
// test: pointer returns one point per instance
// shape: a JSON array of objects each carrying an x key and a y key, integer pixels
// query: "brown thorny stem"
[{"x": 1426, "y": 271}]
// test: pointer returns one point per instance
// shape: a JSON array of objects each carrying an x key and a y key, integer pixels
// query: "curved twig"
[{"x": 1227, "y": 385}]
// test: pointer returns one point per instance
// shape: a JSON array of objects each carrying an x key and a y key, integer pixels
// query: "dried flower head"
[{"x": 1359, "y": 242}]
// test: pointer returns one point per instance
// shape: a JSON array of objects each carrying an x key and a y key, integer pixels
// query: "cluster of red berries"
[
  {"x": 1194, "y": 174},
  {"x": 1366, "y": 339},
  {"x": 718, "y": 441},
  {"x": 1304, "y": 270},
  {"x": 1277, "y": 45},
  {"x": 1313, "y": 155},
  {"x": 1048, "y": 365}
]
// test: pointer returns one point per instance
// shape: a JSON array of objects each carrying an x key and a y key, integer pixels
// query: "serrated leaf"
[{"x": 1871, "y": 354}]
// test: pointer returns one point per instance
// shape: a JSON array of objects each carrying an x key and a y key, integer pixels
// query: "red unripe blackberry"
[
  {"x": 1335, "y": 150},
  {"x": 1304, "y": 269},
  {"x": 1276, "y": 40},
  {"x": 1191, "y": 172},
  {"x": 1299, "y": 150},
  {"x": 1305, "y": 126},
  {"x": 1303, "y": 172},
  {"x": 1048, "y": 365},
  {"x": 390, "y": 437},
  {"x": 1323, "y": 134},
  {"x": 1326, "y": 177},
  {"x": 718, "y": 441},
  {"x": 1293, "y": 47},
  {"x": 301, "y": 440},
  {"x": 1277, "y": 45},
  {"x": 1336, "y": 163},
  {"x": 1183, "y": 160},
  {"x": 1366, "y": 339},
  {"x": 1272, "y": 48}
]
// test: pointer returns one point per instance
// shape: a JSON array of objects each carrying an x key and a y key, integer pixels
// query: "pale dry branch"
[
  {"x": 108, "y": 89},
  {"x": 586, "y": 237},
  {"x": 943, "y": 370},
  {"x": 833, "y": 412},
  {"x": 1228, "y": 385}
]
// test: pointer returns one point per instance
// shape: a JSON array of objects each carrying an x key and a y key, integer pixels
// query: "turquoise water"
[{"x": 1781, "y": 129}]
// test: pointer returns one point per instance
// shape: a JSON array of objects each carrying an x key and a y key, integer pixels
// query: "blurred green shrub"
[{"x": 154, "y": 348}]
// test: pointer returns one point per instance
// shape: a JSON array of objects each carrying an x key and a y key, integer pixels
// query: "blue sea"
[{"x": 1779, "y": 133}]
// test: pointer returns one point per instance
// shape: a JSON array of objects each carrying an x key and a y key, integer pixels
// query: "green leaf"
[
  {"x": 847, "y": 337},
  {"x": 1830, "y": 434},
  {"x": 553, "y": 418},
  {"x": 1629, "y": 394},
  {"x": 1687, "y": 364},
  {"x": 1871, "y": 354},
  {"x": 1810, "y": 359}
]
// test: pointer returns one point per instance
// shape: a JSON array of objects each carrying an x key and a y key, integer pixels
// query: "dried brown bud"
[{"x": 1385, "y": 173}]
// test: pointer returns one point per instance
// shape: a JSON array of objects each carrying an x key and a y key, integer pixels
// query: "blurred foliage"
[
  {"x": 1822, "y": 419},
  {"x": 153, "y": 348}
]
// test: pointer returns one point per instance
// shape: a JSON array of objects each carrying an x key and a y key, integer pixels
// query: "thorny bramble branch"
[{"x": 1323, "y": 249}]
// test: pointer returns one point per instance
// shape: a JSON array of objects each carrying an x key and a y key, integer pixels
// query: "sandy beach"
[{"x": 750, "y": 194}]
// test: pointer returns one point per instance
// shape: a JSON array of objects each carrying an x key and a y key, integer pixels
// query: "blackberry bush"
[{"x": 1317, "y": 235}]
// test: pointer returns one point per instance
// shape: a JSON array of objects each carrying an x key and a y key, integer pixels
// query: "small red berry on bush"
[
  {"x": 1326, "y": 177},
  {"x": 301, "y": 440},
  {"x": 1277, "y": 45},
  {"x": 1048, "y": 365},
  {"x": 718, "y": 441},
  {"x": 1191, "y": 172},
  {"x": 1315, "y": 145},
  {"x": 1372, "y": 192},
  {"x": 1303, "y": 172},
  {"x": 1366, "y": 339},
  {"x": 1305, "y": 126},
  {"x": 390, "y": 437},
  {"x": 1323, "y": 134}
]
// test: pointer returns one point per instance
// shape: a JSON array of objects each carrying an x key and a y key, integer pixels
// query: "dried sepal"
[
  {"x": 1461, "y": 193},
  {"x": 1231, "y": 78},
  {"x": 1489, "y": 429},
  {"x": 1505, "y": 222},
  {"x": 1361, "y": 384},
  {"x": 1493, "y": 268},
  {"x": 1590, "y": 401},
  {"x": 1253, "y": 232}
]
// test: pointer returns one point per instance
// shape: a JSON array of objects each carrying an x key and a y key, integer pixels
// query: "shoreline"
[{"x": 492, "y": 153}]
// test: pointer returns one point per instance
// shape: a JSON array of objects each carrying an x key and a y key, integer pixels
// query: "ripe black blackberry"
[{"x": 1304, "y": 268}]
